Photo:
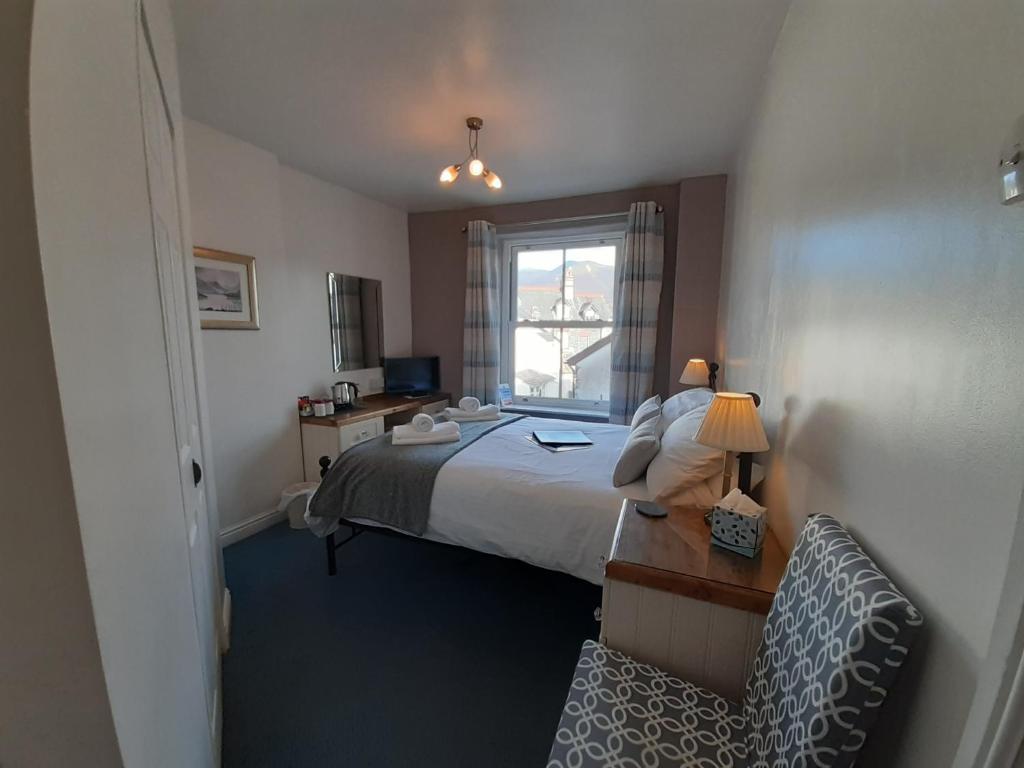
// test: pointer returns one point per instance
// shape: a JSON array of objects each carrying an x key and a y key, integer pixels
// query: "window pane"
[
  {"x": 538, "y": 362},
  {"x": 538, "y": 284},
  {"x": 588, "y": 363},
  {"x": 590, "y": 282},
  {"x": 570, "y": 363}
]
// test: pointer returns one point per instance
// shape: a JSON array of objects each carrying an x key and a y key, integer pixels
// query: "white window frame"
[{"x": 606, "y": 231}]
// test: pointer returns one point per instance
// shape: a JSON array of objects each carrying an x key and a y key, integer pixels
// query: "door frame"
[
  {"x": 987, "y": 731},
  {"x": 146, "y": 44}
]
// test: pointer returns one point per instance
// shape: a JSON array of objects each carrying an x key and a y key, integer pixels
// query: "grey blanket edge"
[{"x": 391, "y": 484}]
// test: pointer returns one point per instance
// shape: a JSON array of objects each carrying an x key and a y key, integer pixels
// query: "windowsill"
[{"x": 554, "y": 412}]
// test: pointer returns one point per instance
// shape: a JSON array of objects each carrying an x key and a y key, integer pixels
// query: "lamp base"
[
  {"x": 746, "y": 468},
  {"x": 727, "y": 473}
]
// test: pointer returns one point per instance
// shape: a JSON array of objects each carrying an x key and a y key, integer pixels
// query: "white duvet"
[{"x": 508, "y": 496}]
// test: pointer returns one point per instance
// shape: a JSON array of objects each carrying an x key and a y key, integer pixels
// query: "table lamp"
[
  {"x": 697, "y": 372},
  {"x": 733, "y": 425}
]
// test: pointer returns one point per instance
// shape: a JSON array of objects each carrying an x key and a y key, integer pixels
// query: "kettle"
[{"x": 344, "y": 393}]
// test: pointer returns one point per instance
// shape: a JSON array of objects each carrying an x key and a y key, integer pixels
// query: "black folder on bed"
[{"x": 560, "y": 438}]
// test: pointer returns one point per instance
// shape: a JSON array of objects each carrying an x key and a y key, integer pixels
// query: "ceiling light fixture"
[{"x": 476, "y": 165}]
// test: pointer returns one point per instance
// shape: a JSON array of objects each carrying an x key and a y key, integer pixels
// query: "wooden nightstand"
[{"x": 673, "y": 600}]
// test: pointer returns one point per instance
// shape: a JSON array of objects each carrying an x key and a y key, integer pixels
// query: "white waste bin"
[{"x": 295, "y": 498}]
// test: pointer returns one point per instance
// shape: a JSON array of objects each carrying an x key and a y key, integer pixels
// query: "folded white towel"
[
  {"x": 406, "y": 434},
  {"x": 425, "y": 438},
  {"x": 467, "y": 417},
  {"x": 486, "y": 413},
  {"x": 422, "y": 422},
  {"x": 469, "y": 404}
]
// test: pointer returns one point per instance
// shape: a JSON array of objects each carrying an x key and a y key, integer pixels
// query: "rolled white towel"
[
  {"x": 486, "y": 413},
  {"x": 422, "y": 422},
  {"x": 444, "y": 428},
  {"x": 469, "y": 404}
]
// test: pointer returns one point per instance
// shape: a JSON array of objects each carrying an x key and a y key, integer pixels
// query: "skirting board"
[{"x": 247, "y": 528}]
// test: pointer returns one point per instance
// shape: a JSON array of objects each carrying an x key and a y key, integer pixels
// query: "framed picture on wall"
[{"x": 226, "y": 290}]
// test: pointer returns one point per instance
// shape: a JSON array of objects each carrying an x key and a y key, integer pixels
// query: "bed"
[{"x": 504, "y": 495}]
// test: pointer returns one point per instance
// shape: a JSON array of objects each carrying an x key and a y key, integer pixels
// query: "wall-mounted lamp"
[
  {"x": 699, "y": 373},
  {"x": 733, "y": 425},
  {"x": 1011, "y": 165}
]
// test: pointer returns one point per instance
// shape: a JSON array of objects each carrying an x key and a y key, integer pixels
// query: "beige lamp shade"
[
  {"x": 732, "y": 424},
  {"x": 696, "y": 372}
]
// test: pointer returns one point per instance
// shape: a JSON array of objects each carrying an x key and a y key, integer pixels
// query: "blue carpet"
[{"x": 415, "y": 654}]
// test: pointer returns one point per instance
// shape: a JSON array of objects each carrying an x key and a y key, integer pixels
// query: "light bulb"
[
  {"x": 476, "y": 166},
  {"x": 450, "y": 174},
  {"x": 492, "y": 180}
]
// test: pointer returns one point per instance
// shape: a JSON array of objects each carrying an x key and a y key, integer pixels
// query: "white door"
[{"x": 158, "y": 129}]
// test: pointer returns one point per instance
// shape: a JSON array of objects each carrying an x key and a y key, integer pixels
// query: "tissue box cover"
[{"x": 738, "y": 532}]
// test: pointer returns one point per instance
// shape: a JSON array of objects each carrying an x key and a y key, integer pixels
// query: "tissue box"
[{"x": 738, "y": 531}]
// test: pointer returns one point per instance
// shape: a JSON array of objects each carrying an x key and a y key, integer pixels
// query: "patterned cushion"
[
  {"x": 836, "y": 635},
  {"x": 623, "y": 713}
]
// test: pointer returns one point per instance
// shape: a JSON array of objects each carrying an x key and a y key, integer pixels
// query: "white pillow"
[
  {"x": 648, "y": 409},
  {"x": 640, "y": 448},
  {"x": 683, "y": 403},
  {"x": 681, "y": 463}
]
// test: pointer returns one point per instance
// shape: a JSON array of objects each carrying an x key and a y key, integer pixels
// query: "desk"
[
  {"x": 372, "y": 416},
  {"x": 673, "y": 600}
]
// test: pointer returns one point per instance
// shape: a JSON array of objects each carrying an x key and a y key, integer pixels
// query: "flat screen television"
[{"x": 412, "y": 375}]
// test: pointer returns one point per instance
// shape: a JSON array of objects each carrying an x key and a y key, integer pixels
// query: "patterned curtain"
[
  {"x": 481, "y": 335},
  {"x": 635, "y": 320}
]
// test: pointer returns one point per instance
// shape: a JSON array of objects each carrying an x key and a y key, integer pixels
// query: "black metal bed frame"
[{"x": 355, "y": 529}]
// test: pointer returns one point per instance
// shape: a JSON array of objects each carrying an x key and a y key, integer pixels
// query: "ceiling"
[{"x": 577, "y": 96}]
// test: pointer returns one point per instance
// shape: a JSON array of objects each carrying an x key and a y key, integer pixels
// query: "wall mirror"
[{"x": 357, "y": 321}]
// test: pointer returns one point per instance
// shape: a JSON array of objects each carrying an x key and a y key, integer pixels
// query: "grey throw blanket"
[{"x": 391, "y": 484}]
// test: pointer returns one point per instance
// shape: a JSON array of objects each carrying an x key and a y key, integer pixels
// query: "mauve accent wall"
[
  {"x": 437, "y": 256},
  {"x": 697, "y": 272}
]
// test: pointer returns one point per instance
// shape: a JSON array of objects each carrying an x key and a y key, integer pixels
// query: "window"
[{"x": 559, "y": 319}]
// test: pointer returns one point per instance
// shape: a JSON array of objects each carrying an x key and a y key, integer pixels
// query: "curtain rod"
[{"x": 565, "y": 220}]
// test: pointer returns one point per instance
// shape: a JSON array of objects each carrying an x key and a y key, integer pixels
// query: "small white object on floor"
[
  {"x": 486, "y": 413},
  {"x": 422, "y": 422},
  {"x": 737, "y": 501},
  {"x": 295, "y": 498},
  {"x": 469, "y": 404},
  {"x": 406, "y": 434}
]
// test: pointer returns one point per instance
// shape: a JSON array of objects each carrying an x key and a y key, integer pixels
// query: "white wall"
[
  {"x": 874, "y": 295},
  {"x": 54, "y": 706},
  {"x": 102, "y": 294},
  {"x": 328, "y": 228},
  {"x": 298, "y": 228}
]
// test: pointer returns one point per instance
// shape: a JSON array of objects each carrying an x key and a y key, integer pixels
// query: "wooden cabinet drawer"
[
  {"x": 374, "y": 414},
  {"x": 320, "y": 441},
  {"x": 360, "y": 432}
]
